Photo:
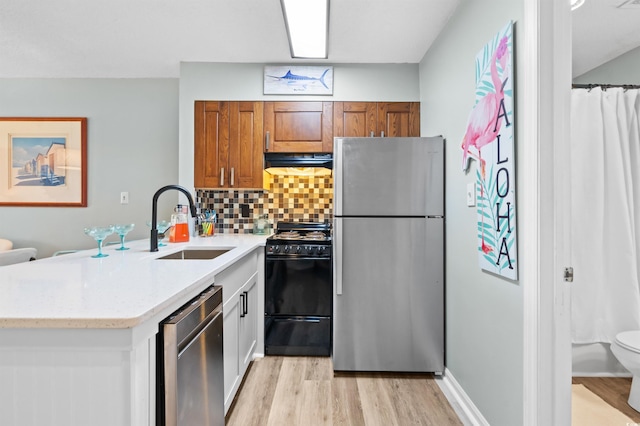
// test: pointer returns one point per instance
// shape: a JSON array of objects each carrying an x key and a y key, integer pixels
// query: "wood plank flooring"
[
  {"x": 613, "y": 390},
  {"x": 291, "y": 391}
]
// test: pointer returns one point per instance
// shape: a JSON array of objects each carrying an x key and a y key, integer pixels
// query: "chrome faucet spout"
[{"x": 154, "y": 211}]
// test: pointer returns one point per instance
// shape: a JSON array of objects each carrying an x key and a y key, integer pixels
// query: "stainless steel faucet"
[{"x": 154, "y": 211}]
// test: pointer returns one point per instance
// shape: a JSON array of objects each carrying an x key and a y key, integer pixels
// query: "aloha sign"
[{"x": 489, "y": 139}]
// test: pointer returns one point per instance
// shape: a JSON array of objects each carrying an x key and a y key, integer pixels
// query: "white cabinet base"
[
  {"x": 240, "y": 310},
  {"x": 76, "y": 377}
]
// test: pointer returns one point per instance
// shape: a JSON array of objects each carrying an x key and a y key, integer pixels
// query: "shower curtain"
[{"x": 605, "y": 213}]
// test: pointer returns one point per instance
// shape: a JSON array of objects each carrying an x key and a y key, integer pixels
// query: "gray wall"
[
  {"x": 225, "y": 81},
  {"x": 132, "y": 146},
  {"x": 625, "y": 69},
  {"x": 484, "y": 313}
]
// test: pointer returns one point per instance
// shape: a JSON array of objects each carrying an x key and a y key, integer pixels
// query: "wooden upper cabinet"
[
  {"x": 355, "y": 119},
  {"x": 298, "y": 126},
  {"x": 399, "y": 119},
  {"x": 245, "y": 144},
  {"x": 365, "y": 119},
  {"x": 211, "y": 143},
  {"x": 228, "y": 144}
]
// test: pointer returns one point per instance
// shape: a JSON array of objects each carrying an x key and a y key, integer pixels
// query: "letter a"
[
  {"x": 502, "y": 112},
  {"x": 504, "y": 251}
]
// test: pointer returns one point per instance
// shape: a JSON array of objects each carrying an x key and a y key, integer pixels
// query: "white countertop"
[{"x": 119, "y": 291}]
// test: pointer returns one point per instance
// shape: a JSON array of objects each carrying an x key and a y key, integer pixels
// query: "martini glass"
[
  {"x": 99, "y": 233},
  {"x": 162, "y": 226},
  {"x": 123, "y": 230}
]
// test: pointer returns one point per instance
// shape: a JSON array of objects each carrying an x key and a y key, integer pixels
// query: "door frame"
[{"x": 546, "y": 306}]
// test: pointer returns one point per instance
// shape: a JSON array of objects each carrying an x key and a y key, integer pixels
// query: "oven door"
[
  {"x": 298, "y": 306},
  {"x": 298, "y": 286}
]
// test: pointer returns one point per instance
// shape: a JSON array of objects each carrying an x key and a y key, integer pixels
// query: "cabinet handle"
[
  {"x": 372, "y": 134},
  {"x": 222, "y": 176},
  {"x": 246, "y": 303},
  {"x": 232, "y": 175},
  {"x": 382, "y": 134},
  {"x": 242, "y": 301},
  {"x": 267, "y": 139}
]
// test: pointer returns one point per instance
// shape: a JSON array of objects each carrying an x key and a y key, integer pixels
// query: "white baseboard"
[
  {"x": 600, "y": 374},
  {"x": 460, "y": 401}
]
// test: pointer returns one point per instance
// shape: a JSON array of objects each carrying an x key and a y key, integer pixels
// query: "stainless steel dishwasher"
[{"x": 190, "y": 364}]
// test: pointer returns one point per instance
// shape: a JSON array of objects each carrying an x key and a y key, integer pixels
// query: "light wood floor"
[
  {"x": 613, "y": 390},
  {"x": 291, "y": 391}
]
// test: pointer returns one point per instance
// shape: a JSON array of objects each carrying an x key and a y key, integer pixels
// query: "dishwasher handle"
[
  {"x": 192, "y": 317},
  {"x": 193, "y": 337}
]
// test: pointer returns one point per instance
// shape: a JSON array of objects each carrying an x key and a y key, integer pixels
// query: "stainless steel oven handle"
[
  {"x": 276, "y": 258},
  {"x": 337, "y": 255}
]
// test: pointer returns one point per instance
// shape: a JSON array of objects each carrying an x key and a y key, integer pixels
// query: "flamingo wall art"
[{"x": 489, "y": 140}]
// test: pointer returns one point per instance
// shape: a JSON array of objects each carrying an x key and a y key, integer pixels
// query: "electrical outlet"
[{"x": 124, "y": 198}]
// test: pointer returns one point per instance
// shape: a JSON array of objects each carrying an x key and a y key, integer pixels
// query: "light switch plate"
[{"x": 471, "y": 194}]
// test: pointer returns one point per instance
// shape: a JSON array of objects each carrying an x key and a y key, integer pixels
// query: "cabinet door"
[
  {"x": 249, "y": 322},
  {"x": 211, "y": 144},
  {"x": 230, "y": 334},
  {"x": 298, "y": 126},
  {"x": 354, "y": 119},
  {"x": 399, "y": 119},
  {"x": 245, "y": 145}
]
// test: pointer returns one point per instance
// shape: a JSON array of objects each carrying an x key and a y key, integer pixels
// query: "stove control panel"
[{"x": 299, "y": 250}]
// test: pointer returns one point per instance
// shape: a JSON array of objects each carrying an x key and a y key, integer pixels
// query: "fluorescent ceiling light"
[
  {"x": 576, "y": 4},
  {"x": 307, "y": 24}
]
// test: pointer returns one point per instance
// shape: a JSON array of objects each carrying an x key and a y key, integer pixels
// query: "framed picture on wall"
[
  {"x": 298, "y": 80},
  {"x": 44, "y": 161}
]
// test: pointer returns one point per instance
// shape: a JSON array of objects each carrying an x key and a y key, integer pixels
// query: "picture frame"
[
  {"x": 43, "y": 161},
  {"x": 298, "y": 80}
]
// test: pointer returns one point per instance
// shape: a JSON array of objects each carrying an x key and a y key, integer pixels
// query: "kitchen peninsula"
[{"x": 78, "y": 334}]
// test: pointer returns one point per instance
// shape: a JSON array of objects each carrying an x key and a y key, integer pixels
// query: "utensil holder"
[{"x": 206, "y": 228}]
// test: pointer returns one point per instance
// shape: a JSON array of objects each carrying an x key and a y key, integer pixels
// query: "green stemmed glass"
[
  {"x": 99, "y": 233},
  {"x": 162, "y": 226},
  {"x": 123, "y": 230}
]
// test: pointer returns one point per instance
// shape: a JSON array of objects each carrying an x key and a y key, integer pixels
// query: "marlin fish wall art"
[{"x": 309, "y": 80}]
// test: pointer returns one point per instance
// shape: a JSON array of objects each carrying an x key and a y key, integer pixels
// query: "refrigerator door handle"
[
  {"x": 337, "y": 255},
  {"x": 337, "y": 176}
]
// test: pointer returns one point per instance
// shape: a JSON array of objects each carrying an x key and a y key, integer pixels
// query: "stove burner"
[
  {"x": 289, "y": 235},
  {"x": 315, "y": 235}
]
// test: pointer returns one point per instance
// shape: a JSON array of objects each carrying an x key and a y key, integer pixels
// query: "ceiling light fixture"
[
  {"x": 576, "y": 4},
  {"x": 307, "y": 24}
]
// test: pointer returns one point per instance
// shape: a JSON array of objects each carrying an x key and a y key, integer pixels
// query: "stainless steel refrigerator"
[{"x": 388, "y": 252}]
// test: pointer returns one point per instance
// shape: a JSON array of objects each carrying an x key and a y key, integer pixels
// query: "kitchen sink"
[{"x": 201, "y": 254}]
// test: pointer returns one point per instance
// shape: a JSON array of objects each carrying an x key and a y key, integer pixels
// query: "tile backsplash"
[{"x": 299, "y": 198}]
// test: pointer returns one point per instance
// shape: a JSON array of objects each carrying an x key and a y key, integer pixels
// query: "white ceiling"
[
  {"x": 149, "y": 38},
  {"x": 602, "y": 30}
]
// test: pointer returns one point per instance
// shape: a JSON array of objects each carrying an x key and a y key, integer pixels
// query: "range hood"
[{"x": 304, "y": 164}]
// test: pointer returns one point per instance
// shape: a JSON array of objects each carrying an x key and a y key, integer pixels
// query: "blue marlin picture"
[
  {"x": 295, "y": 78},
  {"x": 301, "y": 80}
]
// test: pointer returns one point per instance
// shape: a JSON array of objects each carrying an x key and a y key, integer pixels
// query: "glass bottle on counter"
[
  {"x": 179, "y": 225},
  {"x": 261, "y": 225}
]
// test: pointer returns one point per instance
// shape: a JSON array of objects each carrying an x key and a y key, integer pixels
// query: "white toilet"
[{"x": 626, "y": 348}]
